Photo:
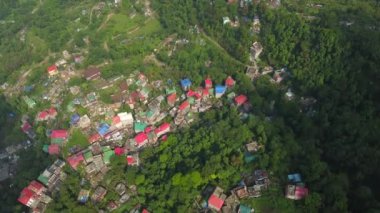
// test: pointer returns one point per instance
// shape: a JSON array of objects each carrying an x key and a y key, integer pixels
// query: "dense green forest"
[
  {"x": 334, "y": 145},
  {"x": 336, "y": 149}
]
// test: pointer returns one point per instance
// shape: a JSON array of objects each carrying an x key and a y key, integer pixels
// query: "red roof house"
[
  {"x": 164, "y": 138},
  {"x": 52, "y": 70},
  {"x": 240, "y": 100},
  {"x": 52, "y": 112},
  {"x": 116, "y": 121},
  {"x": 164, "y": 128},
  {"x": 205, "y": 92},
  {"x": 208, "y": 83},
  {"x": 190, "y": 93},
  {"x": 28, "y": 198},
  {"x": 36, "y": 187},
  {"x": 148, "y": 129},
  {"x": 94, "y": 138},
  {"x": 184, "y": 105},
  {"x": 141, "y": 139},
  {"x": 47, "y": 114},
  {"x": 171, "y": 99},
  {"x": 26, "y": 127},
  {"x": 301, "y": 192},
  {"x": 145, "y": 211},
  {"x": 61, "y": 134},
  {"x": 215, "y": 202},
  {"x": 131, "y": 160},
  {"x": 53, "y": 149},
  {"x": 296, "y": 192},
  {"x": 75, "y": 160},
  {"x": 43, "y": 116},
  {"x": 197, "y": 96},
  {"x": 230, "y": 82},
  {"x": 119, "y": 151}
]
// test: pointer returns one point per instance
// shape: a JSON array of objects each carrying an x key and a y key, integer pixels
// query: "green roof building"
[
  {"x": 71, "y": 107},
  {"x": 248, "y": 157},
  {"x": 59, "y": 141},
  {"x": 145, "y": 91},
  {"x": 30, "y": 102},
  {"x": 170, "y": 90},
  {"x": 88, "y": 156},
  {"x": 43, "y": 179},
  {"x": 139, "y": 127},
  {"x": 91, "y": 97},
  {"x": 45, "y": 148},
  {"x": 191, "y": 100},
  {"x": 107, "y": 156},
  {"x": 211, "y": 91},
  {"x": 244, "y": 209},
  {"x": 231, "y": 95},
  {"x": 149, "y": 114},
  {"x": 106, "y": 148}
]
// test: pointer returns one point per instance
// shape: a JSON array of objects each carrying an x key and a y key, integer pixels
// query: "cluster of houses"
[
  {"x": 296, "y": 190},
  {"x": 251, "y": 186},
  {"x": 112, "y": 132},
  {"x": 38, "y": 193}
]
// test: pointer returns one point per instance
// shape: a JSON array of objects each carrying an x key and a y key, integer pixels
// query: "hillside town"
[
  {"x": 123, "y": 115},
  {"x": 140, "y": 113},
  {"x": 155, "y": 109}
]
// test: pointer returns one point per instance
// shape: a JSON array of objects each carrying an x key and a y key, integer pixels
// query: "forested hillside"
[
  {"x": 336, "y": 149},
  {"x": 330, "y": 50}
]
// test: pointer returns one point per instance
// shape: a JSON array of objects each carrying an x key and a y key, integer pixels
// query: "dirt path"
[
  {"x": 109, "y": 16},
  {"x": 105, "y": 46},
  {"x": 37, "y": 6},
  {"x": 148, "y": 9},
  {"x": 222, "y": 49},
  {"x": 92, "y": 10},
  {"x": 152, "y": 59},
  {"x": 133, "y": 30},
  {"x": 15, "y": 89}
]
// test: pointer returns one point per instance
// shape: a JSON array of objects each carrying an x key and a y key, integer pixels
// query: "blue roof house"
[
  {"x": 74, "y": 119},
  {"x": 295, "y": 178},
  {"x": 103, "y": 129},
  {"x": 185, "y": 84},
  {"x": 220, "y": 90}
]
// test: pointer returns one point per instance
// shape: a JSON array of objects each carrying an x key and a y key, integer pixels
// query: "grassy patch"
[
  {"x": 272, "y": 201},
  {"x": 150, "y": 26},
  {"x": 120, "y": 23},
  {"x": 77, "y": 138}
]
